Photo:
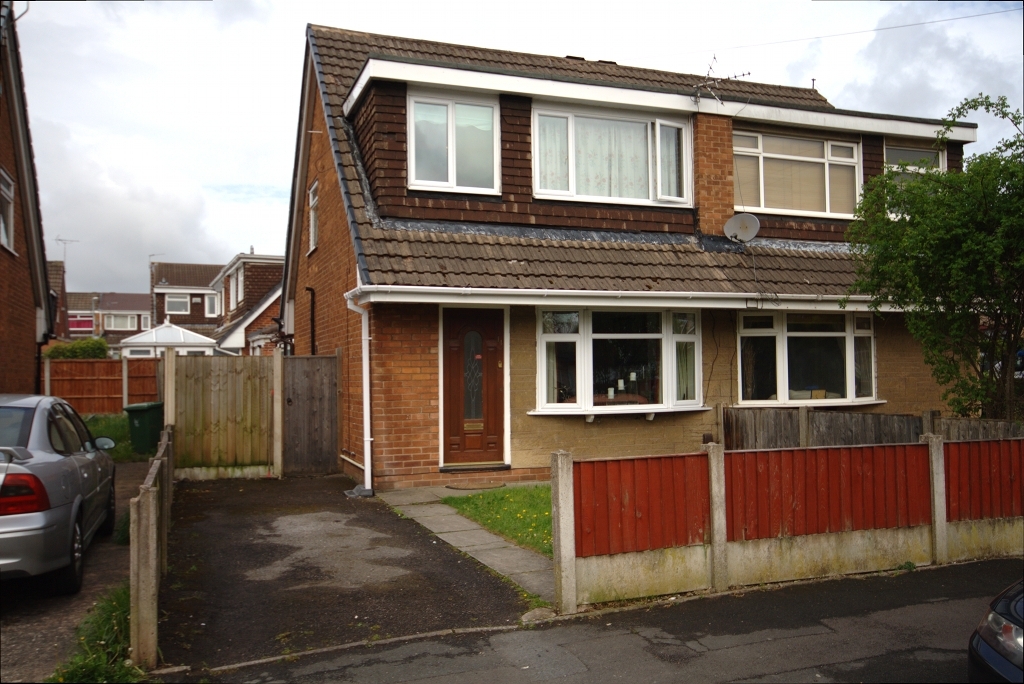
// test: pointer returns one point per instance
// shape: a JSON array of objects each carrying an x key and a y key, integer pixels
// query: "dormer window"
[
  {"x": 610, "y": 157},
  {"x": 453, "y": 145}
]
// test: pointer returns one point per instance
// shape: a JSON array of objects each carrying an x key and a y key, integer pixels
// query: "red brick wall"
[
  {"x": 264, "y": 320},
  {"x": 380, "y": 125},
  {"x": 195, "y": 316},
  {"x": 712, "y": 172},
  {"x": 17, "y": 305}
]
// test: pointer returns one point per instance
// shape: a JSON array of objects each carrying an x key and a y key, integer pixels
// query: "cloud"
[{"x": 116, "y": 221}]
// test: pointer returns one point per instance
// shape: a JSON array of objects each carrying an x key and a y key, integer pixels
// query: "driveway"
[
  {"x": 906, "y": 627},
  {"x": 263, "y": 568},
  {"x": 37, "y": 628}
]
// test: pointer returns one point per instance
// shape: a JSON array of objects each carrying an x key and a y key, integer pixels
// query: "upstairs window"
[
  {"x": 176, "y": 303},
  {"x": 454, "y": 145},
  {"x": 915, "y": 160},
  {"x": 145, "y": 322},
  {"x": 211, "y": 305},
  {"x": 240, "y": 277},
  {"x": 6, "y": 211},
  {"x": 795, "y": 175},
  {"x": 119, "y": 322},
  {"x": 610, "y": 158}
]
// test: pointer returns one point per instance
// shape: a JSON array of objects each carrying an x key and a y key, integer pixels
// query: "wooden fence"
[
  {"x": 794, "y": 492},
  {"x": 101, "y": 385},
  {"x": 223, "y": 411},
  {"x": 983, "y": 479},
  {"x": 789, "y": 428},
  {"x": 310, "y": 415},
  {"x": 640, "y": 504}
]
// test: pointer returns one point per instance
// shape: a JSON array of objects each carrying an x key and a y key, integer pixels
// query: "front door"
[{"x": 473, "y": 386}]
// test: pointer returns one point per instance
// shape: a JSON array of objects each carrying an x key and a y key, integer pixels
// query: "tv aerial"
[{"x": 742, "y": 228}]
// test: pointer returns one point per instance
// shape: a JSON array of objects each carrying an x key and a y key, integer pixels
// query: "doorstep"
[{"x": 532, "y": 571}]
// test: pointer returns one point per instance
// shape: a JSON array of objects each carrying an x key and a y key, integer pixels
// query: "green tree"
[
  {"x": 90, "y": 348},
  {"x": 948, "y": 250}
]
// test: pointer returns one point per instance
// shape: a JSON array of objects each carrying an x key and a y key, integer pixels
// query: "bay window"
[
  {"x": 795, "y": 175},
  {"x": 610, "y": 157},
  {"x": 806, "y": 357},
  {"x": 618, "y": 361},
  {"x": 454, "y": 145}
]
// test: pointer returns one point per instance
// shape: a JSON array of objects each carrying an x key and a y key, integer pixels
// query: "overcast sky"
[{"x": 169, "y": 128}]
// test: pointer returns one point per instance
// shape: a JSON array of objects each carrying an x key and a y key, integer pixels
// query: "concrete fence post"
[
  {"x": 716, "y": 481},
  {"x": 278, "y": 402},
  {"x": 170, "y": 398},
  {"x": 937, "y": 463},
  {"x": 804, "y": 417},
  {"x": 124, "y": 381},
  {"x": 46, "y": 376},
  {"x": 144, "y": 577},
  {"x": 563, "y": 532}
]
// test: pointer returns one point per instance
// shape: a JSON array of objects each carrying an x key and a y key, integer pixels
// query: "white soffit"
[{"x": 447, "y": 77}]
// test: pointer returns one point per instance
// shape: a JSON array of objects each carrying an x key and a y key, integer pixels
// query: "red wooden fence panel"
[
  {"x": 984, "y": 479},
  {"x": 142, "y": 384},
  {"x": 640, "y": 504},
  {"x": 790, "y": 492},
  {"x": 95, "y": 385}
]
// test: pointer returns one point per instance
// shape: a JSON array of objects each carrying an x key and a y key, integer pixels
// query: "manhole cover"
[{"x": 486, "y": 485}]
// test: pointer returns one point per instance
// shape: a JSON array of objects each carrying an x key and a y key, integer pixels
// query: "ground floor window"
[
  {"x": 806, "y": 357},
  {"x": 616, "y": 360}
]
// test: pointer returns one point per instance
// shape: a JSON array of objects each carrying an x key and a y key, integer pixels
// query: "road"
[{"x": 910, "y": 626}]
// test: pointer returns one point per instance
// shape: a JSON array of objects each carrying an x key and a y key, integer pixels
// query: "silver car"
[{"x": 56, "y": 489}]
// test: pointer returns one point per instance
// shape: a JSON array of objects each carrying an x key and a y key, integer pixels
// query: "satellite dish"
[{"x": 742, "y": 227}]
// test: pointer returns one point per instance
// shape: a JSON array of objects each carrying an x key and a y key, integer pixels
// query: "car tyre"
[
  {"x": 69, "y": 578},
  {"x": 107, "y": 528}
]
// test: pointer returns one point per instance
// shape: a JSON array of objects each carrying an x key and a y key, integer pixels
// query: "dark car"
[{"x": 996, "y": 649}]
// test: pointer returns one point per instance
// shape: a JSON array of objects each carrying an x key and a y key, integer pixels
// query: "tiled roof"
[
  {"x": 81, "y": 301},
  {"x": 123, "y": 301},
  {"x": 343, "y": 54},
  {"x": 55, "y": 274},
  {"x": 510, "y": 257},
  {"x": 185, "y": 275}
]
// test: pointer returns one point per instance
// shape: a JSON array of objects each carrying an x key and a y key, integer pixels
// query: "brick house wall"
[
  {"x": 195, "y": 319},
  {"x": 17, "y": 301},
  {"x": 264, "y": 320},
  {"x": 259, "y": 279}
]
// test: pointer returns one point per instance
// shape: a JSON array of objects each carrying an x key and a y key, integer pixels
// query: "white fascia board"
[
  {"x": 583, "y": 298},
  {"x": 244, "y": 257},
  {"x": 181, "y": 289},
  {"x": 446, "y": 77}
]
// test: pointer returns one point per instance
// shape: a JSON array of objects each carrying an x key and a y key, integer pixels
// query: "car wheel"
[
  {"x": 107, "y": 528},
  {"x": 70, "y": 578}
]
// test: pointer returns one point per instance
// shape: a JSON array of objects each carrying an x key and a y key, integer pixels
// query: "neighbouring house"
[
  {"x": 120, "y": 315},
  {"x": 182, "y": 294},
  {"x": 250, "y": 287},
  {"x": 517, "y": 254},
  {"x": 156, "y": 341},
  {"x": 82, "y": 314},
  {"x": 26, "y": 306},
  {"x": 58, "y": 291}
]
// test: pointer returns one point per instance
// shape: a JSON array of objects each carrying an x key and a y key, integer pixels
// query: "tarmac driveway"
[{"x": 263, "y": 568}]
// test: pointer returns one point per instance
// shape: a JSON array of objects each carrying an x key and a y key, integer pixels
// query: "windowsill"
[
  {"x": 630, "y": 410},
  {"x": 666, "y": 204},
  {"x": 455, "y": 189},
  {"x": 9, "y": 249},
  {"x": 794, "y": 212},
  {"x": 813, "y": 403},
  {"x": 311, "y": 250}
]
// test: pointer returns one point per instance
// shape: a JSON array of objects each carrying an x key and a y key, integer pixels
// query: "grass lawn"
[
  {"x": 520, "y": 514},
  {"x": 115, "y": 426}
]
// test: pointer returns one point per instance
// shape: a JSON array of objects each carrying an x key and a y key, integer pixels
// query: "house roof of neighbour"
[
  {"x": 184, "y": 275},
  {"x": 250, "y": 315},
  {"x": 122, "y": 301},
  {"x": 81, "y": 301},
  {"x": 343, "y": 54},
  {"x": 168, "y": 335},
  {"x": 269, "y": 259},
  {"x": 55, "y": 274}
]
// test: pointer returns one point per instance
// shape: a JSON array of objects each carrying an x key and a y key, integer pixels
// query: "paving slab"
[
  {"x": 447, "y": 523},
  {"x": 473, "y": 539},
  {"x": 512, "y": 560},
  {"x": 404, "y": 497},
  {"x": 539, "y": 582},
  {"x": 426, "y": 510}
]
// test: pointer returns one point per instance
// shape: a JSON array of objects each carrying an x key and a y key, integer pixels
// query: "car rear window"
[{"x": 15, "y": 425}]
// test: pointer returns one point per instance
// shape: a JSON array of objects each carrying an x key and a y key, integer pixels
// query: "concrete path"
[{"x": 529, "y": 569}]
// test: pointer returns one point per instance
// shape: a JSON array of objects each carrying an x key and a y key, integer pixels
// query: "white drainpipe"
[{"x": 367, "y": 438}]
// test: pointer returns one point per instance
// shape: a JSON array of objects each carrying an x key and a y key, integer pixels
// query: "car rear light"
[
  {"x": 23, "y": 493},
  {"x": 1004, "y": 636}
]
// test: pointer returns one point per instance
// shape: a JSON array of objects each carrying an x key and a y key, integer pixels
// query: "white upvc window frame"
[
  {"x": 211, "y": 312},
  {"x": 584, "y": 363},
  {"x": 146, "y": 322},
  {"x": 240, "y": 277},
  {"x": 654, "y": 123},
  {"x": 177, "y": 297},
  {"x": 780, "y": 334},
  {"x": 450, "y": 100},
  {"x": 925, "y": 146},
  {"x": 143, "y": 353},
  {"x": 760, "y": 154},
  {"x": 6, "y": 211},
  {"x": 314, "y": 217},
  {"x": 131, "y": 319}
]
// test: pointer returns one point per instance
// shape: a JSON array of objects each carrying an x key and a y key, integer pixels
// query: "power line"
[{"x": 853, "y": 33}]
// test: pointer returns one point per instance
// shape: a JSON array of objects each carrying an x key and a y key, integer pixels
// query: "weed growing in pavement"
[
  {"x": 909, "y": 566},
  {"x": 103, "y": 644},
  {"x": 520, "y": 514},
  {"x": 123, "y": 529},
  {"x": 115, "y": 426}
]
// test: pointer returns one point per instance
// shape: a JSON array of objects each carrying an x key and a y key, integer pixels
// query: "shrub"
[{"x": 90, "y": 348}]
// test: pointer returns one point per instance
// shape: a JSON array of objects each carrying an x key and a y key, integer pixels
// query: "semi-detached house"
[{"x": 516, "y": 254}]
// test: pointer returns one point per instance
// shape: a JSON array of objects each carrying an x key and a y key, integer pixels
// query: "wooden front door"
[{"x": 473, "y": 386}]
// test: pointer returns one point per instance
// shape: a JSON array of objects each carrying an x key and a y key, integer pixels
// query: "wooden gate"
[{"x": 310, "y": 415}]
